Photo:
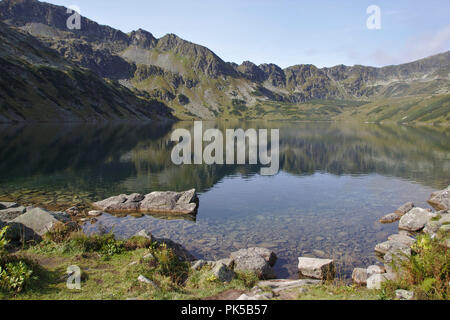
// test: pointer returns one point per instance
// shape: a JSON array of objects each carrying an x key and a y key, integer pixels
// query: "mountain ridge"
[{"x": 196, "y": 82}]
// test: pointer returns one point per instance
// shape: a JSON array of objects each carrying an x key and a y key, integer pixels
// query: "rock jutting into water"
[
  {"x": 156, "y": 202},
  {"x": 440, "y": 200},
  {"x": 398, "y": 247}
]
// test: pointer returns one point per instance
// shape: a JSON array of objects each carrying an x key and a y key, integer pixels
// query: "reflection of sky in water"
[{"x": 320, "y": 215}]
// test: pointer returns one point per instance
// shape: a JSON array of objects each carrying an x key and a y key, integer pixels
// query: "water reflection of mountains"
[{"x": 136, "y": 156}]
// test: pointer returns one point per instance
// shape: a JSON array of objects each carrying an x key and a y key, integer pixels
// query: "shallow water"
[{"x": 335, "y": 181}]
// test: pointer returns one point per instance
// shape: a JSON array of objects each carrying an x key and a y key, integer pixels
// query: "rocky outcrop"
[
  {"x": 256, "y": 260},
  {"x": 223, "y": 273},
  {"x": 322, "y": 269},
  {"x": 415, "y": 220},
  {"x": 34, "y": 224},
  {"x": 440, "y": 200},
  {"x": 375, "y": 281},
  {"x": 155, "y": 202}
]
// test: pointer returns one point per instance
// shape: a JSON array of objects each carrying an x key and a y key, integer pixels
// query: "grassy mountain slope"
[{"x": 37, "y": 84}]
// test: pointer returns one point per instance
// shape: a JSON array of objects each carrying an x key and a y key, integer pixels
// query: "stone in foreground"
[
  {"x": 359, "y": 276},
  {"x": 404, "y": 295},
  {"x": 155, "y": 202},
  {"x": 322, "y": 269},
  {"x": 253, "y": 262},
  {"x": 415, "y": 220},
  {"x": 33, "y": 224},
  {"x": 267, "y": 254},
  {"x": 440, "y": 200},
  {"x": 375, "y": 281},
  {"x": 222, "y": 273}
]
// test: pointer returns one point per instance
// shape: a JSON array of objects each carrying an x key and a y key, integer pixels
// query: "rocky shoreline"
[{"x": 31, "y": 224}]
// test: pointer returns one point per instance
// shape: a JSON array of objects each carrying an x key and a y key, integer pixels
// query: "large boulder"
[
  {"x": 440, "y": 200},
  {"x": 359, "y": 276},
  {"x": 384, "y": 247},
  {"x": 253, "y": 261},
  {"x": 267, "y": 254},
  {"x": 155, "y": 202},
  {"x": 322, "y": 269},
  {"x": 403, "y": 239},
  {"x": 415, "y": 220},
  {"x": 34, "y": 224}
]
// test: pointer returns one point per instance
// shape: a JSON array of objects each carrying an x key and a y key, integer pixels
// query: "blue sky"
[{"x": 287, "y": 32}]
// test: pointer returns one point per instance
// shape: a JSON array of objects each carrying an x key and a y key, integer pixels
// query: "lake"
[{"x": 335, "y": 181}]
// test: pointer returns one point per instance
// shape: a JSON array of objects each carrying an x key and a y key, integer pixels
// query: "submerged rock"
[
  {"x": 404, "y": 209},
  {"x": 440, "y": 200},
  {"x": 390, "y": 218},
  {"x": 155, "y": 202},
  {"x": 322, "y": 269}
]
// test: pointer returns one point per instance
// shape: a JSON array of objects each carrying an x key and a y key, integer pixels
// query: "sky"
[{"x": 288, "y": 32}]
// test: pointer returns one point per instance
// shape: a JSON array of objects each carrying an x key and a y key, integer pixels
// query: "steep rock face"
[
  {"x": 274, "y": 74},
  {"x": 251, "y": 71}
]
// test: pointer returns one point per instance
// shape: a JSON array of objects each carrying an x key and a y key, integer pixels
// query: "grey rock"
[
  {"x": 384, "y": 247},
  {"x": 253, "y": 262},
  {"x": 415, "y": 220},
  {"x": 359, "y": 276},
  {"x": 158, "y": 202},
  {"x": 8, "y": 205},
  {"x": 227, "y": 261},
  {"x": 404, "y": 295},
  {"x": 264, "y": 296},
  {"x": 440, "y": 200},
  {"x": 404, "y": 209},
  {"x": 403, "y": 239},
  {"x": 6, "y": 215},
  {"x": 323, "y": 269},
  {"x": 394, "y": 258},
  {"x": 267, "y": 254},
  {"x": 374, "y": 269},
  {"x": 390, "y": 218},
  {"x": 375, "y": 280},
  {"x": 222, "y": 273},
  {"x": 33, "y": 224}
]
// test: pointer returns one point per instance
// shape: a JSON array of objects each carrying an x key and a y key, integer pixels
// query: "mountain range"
[{"x": 97, "y": 72}]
